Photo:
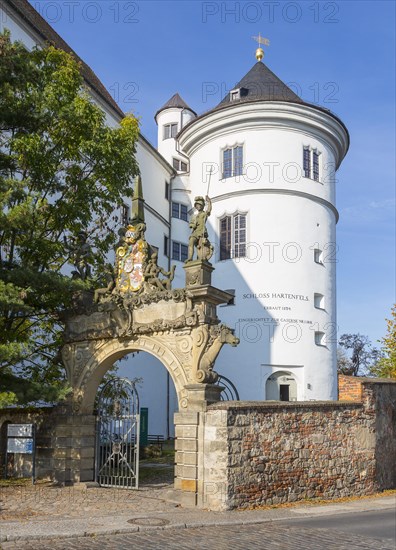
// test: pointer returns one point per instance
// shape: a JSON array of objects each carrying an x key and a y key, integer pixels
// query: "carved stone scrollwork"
[
  {"x": 139, "y": 310},
  {"x": 208, "y": 341}
]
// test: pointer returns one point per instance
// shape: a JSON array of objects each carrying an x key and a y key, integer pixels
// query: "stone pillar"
[
  {"x": 198, "y": 273},
  {"x": 186, "y": 445},
  {"x": 189, "y": 443},
  {"x": 73, "y": 444}
]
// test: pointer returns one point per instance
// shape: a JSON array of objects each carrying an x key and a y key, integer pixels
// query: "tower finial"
[{"x": 260, "y": 51}]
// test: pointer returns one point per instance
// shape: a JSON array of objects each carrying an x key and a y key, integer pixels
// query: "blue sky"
[{"x": 340, "y": 55}]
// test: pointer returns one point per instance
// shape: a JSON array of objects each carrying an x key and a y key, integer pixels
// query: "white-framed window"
[
  {"x": 167, "y": 190},
  {"x": 170, "y": 131},
  {"x": 318, "y": 256},
  {"x": 179, "y": 211},
  {"x": 319, "y": 301},
  {"x": 233, "y": 236},
  {"x": 235, "y": 94},
  {"x": 311, "y": 163},
  {"x": 232, "y": 161},
  {"x": 179, "y": 165},
  {"x": 166, "y": 246},
  {"x": 179, "y": 251},
  {"x": 320, "y": 338}
]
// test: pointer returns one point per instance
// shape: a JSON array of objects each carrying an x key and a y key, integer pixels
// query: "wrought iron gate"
[
  {"x": 229, "y": 392},
  {"x": 117, "y": 439}
]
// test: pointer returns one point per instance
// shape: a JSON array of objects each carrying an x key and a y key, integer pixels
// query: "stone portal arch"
[
  {"x": 138, "y": 310},
  {"x": 104, "y": 356},
  {"x": 181, "y": 329}
]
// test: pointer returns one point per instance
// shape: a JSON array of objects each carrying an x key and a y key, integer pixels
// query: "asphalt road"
[{"x": 360, "y": 531}]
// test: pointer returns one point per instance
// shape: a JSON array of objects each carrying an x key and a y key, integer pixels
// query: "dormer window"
[
  {"x": 237, "y": 93},
  {"x": 170, "y": 131}
]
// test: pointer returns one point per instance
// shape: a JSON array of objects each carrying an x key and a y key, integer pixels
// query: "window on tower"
[
  {"x": 233, "y": 236},
  {"x": 179, "y": 165},
  {"x": 307, "y": 162},
  {"x": 170, "y": 131},
  {"x": 311, "y": 163},
  {"x": 318, "y": 256},
  {"x": 179, "y": 251},
  {"x": 315, "y": 165},
  {"x": 319, "y": 301},
  {"x": 179, "y": 211},
  {"x": 320, "y": 338},
  {"x": 232, "y": 161}
]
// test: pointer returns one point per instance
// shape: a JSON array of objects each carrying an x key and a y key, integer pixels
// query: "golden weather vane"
[{"x": 260, "y": 51}]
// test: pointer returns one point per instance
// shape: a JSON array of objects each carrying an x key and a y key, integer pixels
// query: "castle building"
[{"x": 267, "y": 160}]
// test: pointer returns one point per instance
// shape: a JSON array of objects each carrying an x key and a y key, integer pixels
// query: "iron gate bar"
[
  {"x": 118, "y": 425},
  {"x": 229, "y": 391}
]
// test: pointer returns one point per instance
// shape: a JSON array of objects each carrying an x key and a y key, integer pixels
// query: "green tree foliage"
[
  {"x": 62, "y": 171},
  {"x": 386, "y": 365},
  {"x": 356, "y": 356}
]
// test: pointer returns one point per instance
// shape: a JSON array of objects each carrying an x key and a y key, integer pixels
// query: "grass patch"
[{"x": 318, "y": 501}]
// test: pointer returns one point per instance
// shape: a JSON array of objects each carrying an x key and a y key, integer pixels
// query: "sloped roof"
[
  {"x": 26, "y": 11},
  {"x": 176, "y": 101},
  {"x": 34, "y": 20},
  {"x": 260, "y": 83}
]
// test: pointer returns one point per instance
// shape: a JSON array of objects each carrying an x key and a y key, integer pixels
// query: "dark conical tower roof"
[
  {"x": 176, "y": 101},
  {"x": 261, "y": 84}
]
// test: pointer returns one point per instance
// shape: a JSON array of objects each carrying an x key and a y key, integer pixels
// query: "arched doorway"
[{"x": 281, "y": 386}]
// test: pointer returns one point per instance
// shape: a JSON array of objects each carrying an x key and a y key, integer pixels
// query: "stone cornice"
[
  {"x": 295, "y": 193},
  {"x": 265, "y": 115}
]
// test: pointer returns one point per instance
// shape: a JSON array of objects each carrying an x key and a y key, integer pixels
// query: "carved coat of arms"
[{"x": 131, "y": 260}]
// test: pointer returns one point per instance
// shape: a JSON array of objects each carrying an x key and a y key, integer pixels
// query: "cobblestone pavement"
[
  {"x": 45, "y": 500},
  {"x": 243, "y": 537}
]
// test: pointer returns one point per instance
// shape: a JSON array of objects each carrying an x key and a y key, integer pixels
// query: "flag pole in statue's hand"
[{"x": 210, "y": 175}]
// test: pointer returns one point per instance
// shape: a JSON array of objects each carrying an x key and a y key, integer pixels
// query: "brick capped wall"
[
  {"x": 349, "y": 388},
  {"x": 260, "y": 453}
]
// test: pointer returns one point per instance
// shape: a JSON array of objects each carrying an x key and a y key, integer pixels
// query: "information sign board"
[
  {"x": 20, "y": 445},
  {"x": 20, "y": 430}
]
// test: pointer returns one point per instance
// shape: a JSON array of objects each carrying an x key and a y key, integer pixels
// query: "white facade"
[
  {"x": 284, "y": 282},
  {"x": 283, "y": 269}
]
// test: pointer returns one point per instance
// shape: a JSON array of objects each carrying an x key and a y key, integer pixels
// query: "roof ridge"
[{"x": 44, "y": 29}]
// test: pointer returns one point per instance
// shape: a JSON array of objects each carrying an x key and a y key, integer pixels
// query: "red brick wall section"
[{"x": 349, "y": 388}]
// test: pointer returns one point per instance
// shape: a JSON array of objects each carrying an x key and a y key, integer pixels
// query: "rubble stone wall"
[
  {"x": 65, "y": 444},
  {"x": 261, "y": 453}
]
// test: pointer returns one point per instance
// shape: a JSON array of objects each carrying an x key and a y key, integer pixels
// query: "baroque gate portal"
[{"x": 138, "y": 311}]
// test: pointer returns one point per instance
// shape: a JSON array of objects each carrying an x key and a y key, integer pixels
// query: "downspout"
[{"x": 169, "y": 268}]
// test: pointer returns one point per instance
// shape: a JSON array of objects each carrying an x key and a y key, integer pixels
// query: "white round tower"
[
  {"x": 170, "y": 119},
  {"x": 269, "y": 161}
]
